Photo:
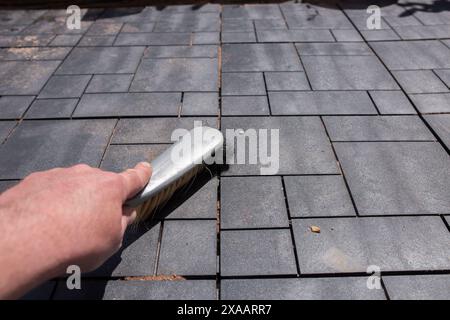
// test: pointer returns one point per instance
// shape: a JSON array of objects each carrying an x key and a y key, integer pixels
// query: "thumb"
[{"x": 136, "y": 179}]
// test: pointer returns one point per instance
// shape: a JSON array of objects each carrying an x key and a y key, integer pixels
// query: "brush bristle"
[{"x": 150, "y": 207}]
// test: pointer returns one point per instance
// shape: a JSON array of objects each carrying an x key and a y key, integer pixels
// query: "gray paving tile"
[
  {"x": 270, "y": 24},
  {"x": 191, "y": 22},
  {"x": 101, "y": 60},
  {"x": 5, "y": 129},
  {"x": 353, "y": 244},
  {"x": 435, "y": 17},
  {"x": 200, "y": 103},
  {"x": 51, "y": 108},
  {"x": 241, "y": 83},
  {"x": 153, "y": 39},
  {"x": 237, "y": 25},
  {"x": 308, "y": 20},
  {"x": 128, "y": 104},
  {"x": 379, "y": 35},
  {"x": 100, "y": 28},
  {"x": 360, "y": 21},
  {"x": 444, "y": 75},
  {"x": 286, "y": 81},
  {"x": 252, "y": 202},
  {"x": 396, "y": 178},
  {"x": 13, "y": 107},
  {"x": 348, "y": 288},
  {"x": 65, "y": 87},
  {"x": 318, "y": 196},
  {"x": 109, "y": 83},
  {"x": 238, "y": 37},
  {"x": 252, "y": 11},
  {"x": 418, "y": 287},
  {"x": 136, "y": 257},
  {"x": 42, "y": 292},
  {"x": 133, "y": 27},
  {"x": 200, "y": 51},
  {"x": 347, "y": 73},
  {"x": 312, "y": 153},
  {"x": 383, "y": 128},
  {"x": 154, "y": 130},
  {"x": 25, "y": 77},
  {"x": 413, "y": 55},
  {"x": 139, "y": 290},
  {"x": 256, "y": 252},
  {"x": 65, "y": 40},
  {"x": 121, "y": 157},
  {"x": 441, "y": 125},
  {"x": 38, "y": 53},
  {"x": 312, "y": 35},
  {"x": 6, "y": 184},
  {"x": 420, "y": 81},
  {"x": 321, "y": 103},
  {"x": 446, "y": 42},
  {"x": 432, "y": 102},
  {"x": 333, "y": 49},
  {"x": 11, "y": 30},
  {"x": 188, "y": 248},
  {"x": 202, "y": 204},
  {"x": 41, "y": 145},
  {"x": 176, "y": 74},
  {"x": 397, "y": 21},
  {"x": 245, "y": 105},
  {"x": 350, "y": 35},
  {"x": 260, "y": 57},
  {"x": 97, "y": 41},
  {"x": 206, "y": 38},
  {"x": 41, "y": 40},
  {"x": 423, "y": 32},
  {"x": 392, "y": 102}
]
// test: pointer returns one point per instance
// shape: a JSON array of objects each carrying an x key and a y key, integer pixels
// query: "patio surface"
[{"x": 364, "y": 119}]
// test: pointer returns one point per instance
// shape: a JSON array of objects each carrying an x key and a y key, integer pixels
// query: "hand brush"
[{"x": 174, "y": 169}]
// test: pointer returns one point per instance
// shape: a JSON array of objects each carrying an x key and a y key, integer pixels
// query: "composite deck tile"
[
  {"x": 353, "y": 244},
  {"x": 387, "y": 178},
  {"x": 252, "y": 202}
]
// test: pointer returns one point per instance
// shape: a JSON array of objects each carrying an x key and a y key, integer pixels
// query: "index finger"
[{"x": 136, "y": 179}]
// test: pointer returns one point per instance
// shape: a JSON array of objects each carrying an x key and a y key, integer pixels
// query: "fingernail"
[{"x": 145, "y": 163}]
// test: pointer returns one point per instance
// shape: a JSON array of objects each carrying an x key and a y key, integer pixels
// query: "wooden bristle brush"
[{"x": 175, "y": 168}]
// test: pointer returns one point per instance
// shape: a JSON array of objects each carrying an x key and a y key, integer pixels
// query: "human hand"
[{"x": 65, "y": 216}]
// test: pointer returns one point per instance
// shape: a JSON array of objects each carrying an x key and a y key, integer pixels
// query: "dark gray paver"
[
  {"x": 418, "y": 287},
  {"x": 154, "y": 130},
  {"x": 347, "y": 73},
  {"x": 41, "y": 145},
  {"x": 348, "y": 288},
  {"x": 100, "y": 28},
  {"x": 136, "y": 257},
  {"x": 87, "y": 60},
  {"x": 192, "y": 22},
  {"x": 25, "y": 77},
  {"x": 65, "y": 40},
  {"x": 238, "y": 37},
  {"x": 379, "y": 35},
  {"x": 206, "y": 38},
  {"x": 318, "y": 196},
  {"x": 121, "y": 157},
  {"x": 260, "y": 57},
  {"x": 200, "y": 103},
  {"x": 431, "y": 103},
  {"x": 333, "y": 49},
  {"x": 392, "y": 102},
  {"x": 256, "y": 252},
  {"x": 188, "y": 248},
  {"x": 109, "y": 83},
  {"x": 434, "y": 17},
  {"x": 153, "y": 39},
  {"x": 51, "y": 108},
  {"x": 286, "y": 81},
  {"x": 420, "y": 81},
  {"x": 441, "y": 125},
  {"x": 200, "y": 51},
  {"x": 65, "y": 87},
  {"x": 270, "y": 24},
  {"x": 128, "y": 104},
  {"x": 396, "y": 178},
  {"x": 133, "y": 27},
  {"x": 13, "y": 107},
  {"x": 321, "y": 103},
  {"x": 423, "y": 32},
  {"x": 315, "y": 20},
  {"x": 353, "y": 244},
  {"x": 348, "y": 35},
  {"x": 444, "y": 75},
  {"x": 237, "y": 25},
  {"x": 140, "y": 290},
  {"x": 97, "y": 41},
  {"x": 413, "y": 55},
  {"x": 241, "y": 83},
  {"x": 311, "y": 35},
  {"x": 40, "y": 40},
  {"x": 384, "y": 128},
  {"x": 252, "y": 11},
  {"x": 41, "y": 53},
  {"x": 5, "y": 129},
  {"x": 252, "y": 202},
  {"x": 245, "y": 105},
  {"x": 42, "y": 292},
  {"x": 176, "y": 74},
  {"x": 311, "y": 155}
]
